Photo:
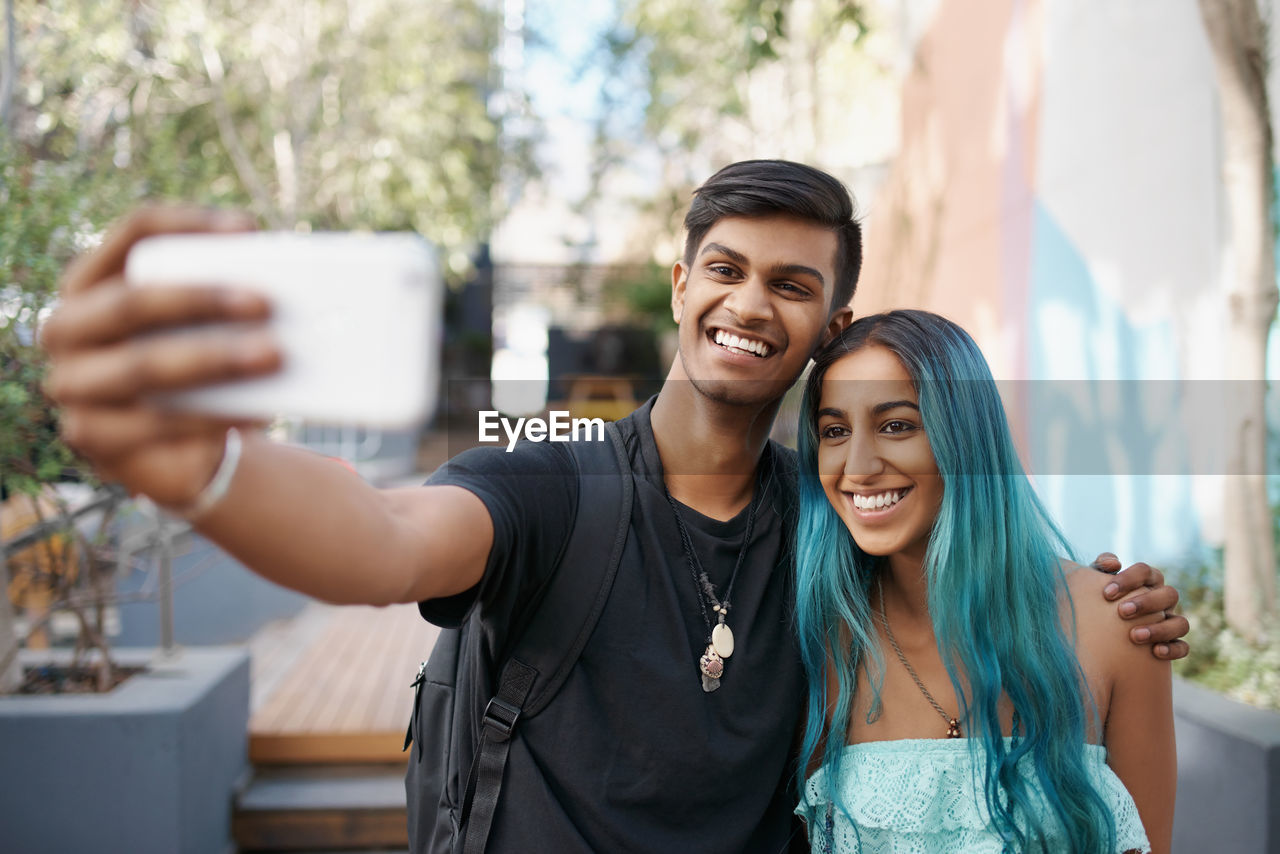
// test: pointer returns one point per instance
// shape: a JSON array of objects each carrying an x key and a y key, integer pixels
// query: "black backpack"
[{"x": 455, "y": 773}]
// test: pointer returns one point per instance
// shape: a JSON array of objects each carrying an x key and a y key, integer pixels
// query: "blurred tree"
[
  {"x": 46, "y": 209},
  {"x": 703, "y": 71},
  {"x": 739, "y": 79},
  {"x": 1238, "y": 39},
  {"x": 312, "y": 113},
  {"x": 10, "y": 70},
  {"x": 347, "y": 113}
]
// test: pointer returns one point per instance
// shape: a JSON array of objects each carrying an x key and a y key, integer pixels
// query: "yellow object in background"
[{"x": 34, "y": 571}]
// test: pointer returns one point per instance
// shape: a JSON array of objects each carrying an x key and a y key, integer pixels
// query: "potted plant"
[{"x": 104, "y": 750}]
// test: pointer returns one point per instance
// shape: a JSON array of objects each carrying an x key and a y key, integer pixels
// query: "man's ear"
[
  {"x": 839, "y": 322},
  {"x": 679, "y": 278}
]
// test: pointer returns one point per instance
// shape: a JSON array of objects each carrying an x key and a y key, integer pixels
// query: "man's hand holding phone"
[
  {"x": 184, "y": 324},
  {"x": 115, "y": 348}
]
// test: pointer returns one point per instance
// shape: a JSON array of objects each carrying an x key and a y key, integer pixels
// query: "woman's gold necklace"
[{"x": 953, "y": 725}]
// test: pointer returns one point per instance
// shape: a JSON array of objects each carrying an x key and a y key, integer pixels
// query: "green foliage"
[
  {"x": 695, "y": 67},
  {"x": 315, "y": 115},
  {"x": 328, "y": 115},
  {"x": 48, "y": 210},
  {"x": 646, "y": 292},
  {"x": 1220, "y": 658},
  {"x": 737, "y": 79}
]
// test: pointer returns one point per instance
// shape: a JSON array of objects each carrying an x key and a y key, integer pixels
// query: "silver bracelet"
[{"x": 217, "y": 488}]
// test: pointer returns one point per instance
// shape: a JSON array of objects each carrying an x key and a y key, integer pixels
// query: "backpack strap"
[{"x": 561, "y": 624}]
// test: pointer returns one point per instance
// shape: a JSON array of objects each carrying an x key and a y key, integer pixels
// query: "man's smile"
[{"x": 736, "y": 343}]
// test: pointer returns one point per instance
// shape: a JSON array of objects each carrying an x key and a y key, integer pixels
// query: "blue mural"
[{"x": 1108, "y": 452}]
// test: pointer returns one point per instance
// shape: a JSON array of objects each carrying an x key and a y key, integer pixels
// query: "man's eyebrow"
[
  {"x": 780, "y": 270},
  {"x": 733, "y": 254},
  {"x": 893, "y": 404},
  {"x": 798, "y": 270}
]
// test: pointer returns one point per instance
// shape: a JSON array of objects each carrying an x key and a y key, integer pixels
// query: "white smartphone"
[{"x": 357, "y": 316}]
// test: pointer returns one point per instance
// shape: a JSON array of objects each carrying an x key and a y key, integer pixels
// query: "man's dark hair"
[{"x": 768, "y": 187}]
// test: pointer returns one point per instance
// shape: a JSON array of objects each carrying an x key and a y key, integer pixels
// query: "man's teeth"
[
  {"x": 879, "y": 501},
  {"x": 745, "y": 345}
]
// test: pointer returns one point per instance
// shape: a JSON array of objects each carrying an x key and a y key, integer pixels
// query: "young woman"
[{"x": 969, "y": 690}]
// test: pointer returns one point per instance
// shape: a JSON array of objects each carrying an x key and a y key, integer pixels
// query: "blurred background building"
[
  {"x": 1043, "y": 173},
  {"x": 1057, "y": 191}
]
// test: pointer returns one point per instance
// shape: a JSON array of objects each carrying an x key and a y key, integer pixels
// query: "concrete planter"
[
  {"x": 149, "y": 767},
  {"x": 1228, "y": 774}
]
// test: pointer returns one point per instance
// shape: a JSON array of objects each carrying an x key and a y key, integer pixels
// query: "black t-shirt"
[{"x": 632, "y": 755}]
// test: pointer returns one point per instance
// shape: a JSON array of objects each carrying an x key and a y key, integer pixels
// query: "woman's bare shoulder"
[
  {"x": 1097, "y": 619},
  {"x": 1085, "y": 584}
]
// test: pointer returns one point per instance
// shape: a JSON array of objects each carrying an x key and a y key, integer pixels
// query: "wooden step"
[
  {"x": 333, "y": 748},
  {"x": 322, "y": 808},
  {"x": 335, "y": 686}
]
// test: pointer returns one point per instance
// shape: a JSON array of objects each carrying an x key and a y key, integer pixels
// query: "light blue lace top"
[{"x": 920, "y": 796}]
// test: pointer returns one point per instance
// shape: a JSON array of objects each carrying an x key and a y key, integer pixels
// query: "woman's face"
[{"x": 874, "y": 459}]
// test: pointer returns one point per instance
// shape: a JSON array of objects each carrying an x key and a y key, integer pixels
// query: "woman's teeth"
[{"x": 879, "y": 501}]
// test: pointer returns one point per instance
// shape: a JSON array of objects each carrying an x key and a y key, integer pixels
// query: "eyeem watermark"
[{"x": 559, "y": 428}]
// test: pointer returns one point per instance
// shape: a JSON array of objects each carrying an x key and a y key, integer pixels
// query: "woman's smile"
[{"x": 876, "y": 505}]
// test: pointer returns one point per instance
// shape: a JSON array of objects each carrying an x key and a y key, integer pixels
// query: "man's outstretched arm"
[
  {"x": 1143, "y": 591},
  {"x": 293, "y": 516}
]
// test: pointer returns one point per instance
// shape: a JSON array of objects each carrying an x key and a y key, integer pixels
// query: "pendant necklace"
[
  {"x": 719, "y": 637},
  {"x": 953, "y": 725}
]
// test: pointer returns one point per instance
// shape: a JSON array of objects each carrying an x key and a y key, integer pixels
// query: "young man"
[{"x": 656, "y": 742}]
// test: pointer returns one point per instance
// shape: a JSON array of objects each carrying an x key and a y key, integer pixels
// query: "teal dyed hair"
[{"x": 994, "y": 581}]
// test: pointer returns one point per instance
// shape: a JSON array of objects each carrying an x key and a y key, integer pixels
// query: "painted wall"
[{"x": 1057, "y": 194}]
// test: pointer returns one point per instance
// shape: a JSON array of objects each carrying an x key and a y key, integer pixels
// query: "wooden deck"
[{"x": 333, "y": 685}]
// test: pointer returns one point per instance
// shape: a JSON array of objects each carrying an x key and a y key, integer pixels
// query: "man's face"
[{"x": 754, "y": 306}]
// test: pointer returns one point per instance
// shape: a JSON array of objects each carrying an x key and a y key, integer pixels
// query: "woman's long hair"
[{"x": 994, "y": 582}]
